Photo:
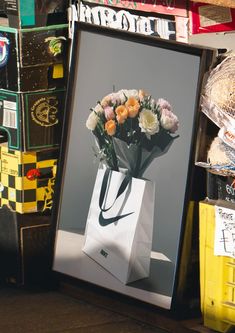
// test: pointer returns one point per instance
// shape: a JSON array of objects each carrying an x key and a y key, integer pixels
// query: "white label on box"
[
  {"x": 224, "y": 244},
  {"x": 213, "y": 15},
  {"x": 9, "y": 105},
  {"x": 9, "y": 118}
]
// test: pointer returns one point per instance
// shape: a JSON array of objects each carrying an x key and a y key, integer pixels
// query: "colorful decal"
[
  {"x": 44, "y": 111},
  {"x": 4, "y": 50},
  {"x": 55, "y": 45}
]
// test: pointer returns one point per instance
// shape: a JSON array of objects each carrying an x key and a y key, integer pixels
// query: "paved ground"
[
  {"x": 71, "y": 309},
  {"x": 24, "y": 311}
]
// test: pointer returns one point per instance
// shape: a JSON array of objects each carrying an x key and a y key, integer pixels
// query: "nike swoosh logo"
[{"x": 104, "y": 222}]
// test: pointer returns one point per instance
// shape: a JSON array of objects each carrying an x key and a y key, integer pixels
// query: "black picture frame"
[{"x": 98, "y": 64}]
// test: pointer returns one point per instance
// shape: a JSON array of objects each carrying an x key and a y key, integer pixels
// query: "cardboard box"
[
  {"x": 25, "y": 248},
  {"x": 27, "y": 179},
  {"x": 33, "y": 13},
  {"x": 220, "y": 187},
  {"x": 32, "y": 121},
  {"x": 33, "y": 59},
  {"x": 206, "y": 18}
]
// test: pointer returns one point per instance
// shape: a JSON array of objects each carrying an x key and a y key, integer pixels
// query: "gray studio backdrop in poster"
[{"x": 106, "y": 63}]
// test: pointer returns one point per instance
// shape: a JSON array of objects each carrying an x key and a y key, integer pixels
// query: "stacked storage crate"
[
  {"x": 217, "y": 211},
  {"x": 33, "y": 70}
]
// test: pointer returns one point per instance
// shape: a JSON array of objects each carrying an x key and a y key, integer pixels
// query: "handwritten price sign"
[{"x": 224, "y": 244}]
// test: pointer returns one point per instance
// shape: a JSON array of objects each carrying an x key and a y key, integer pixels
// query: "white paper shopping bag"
[{"x": 120, "y": 224}]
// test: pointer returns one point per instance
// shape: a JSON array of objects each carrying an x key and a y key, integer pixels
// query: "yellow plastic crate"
[{"x": 217, "y": 276}]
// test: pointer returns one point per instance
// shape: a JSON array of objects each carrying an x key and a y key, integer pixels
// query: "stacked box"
[
  {"x": 27, "y": 179},
  {"x": 33, "y": 59},
  {"x": 220, "y": 187},
  {"x": 33, "y": 120},
  {"x": 34, "y": 50},
  {"x": 33, "y": 13},
  {"x": 25, "y": 248}
]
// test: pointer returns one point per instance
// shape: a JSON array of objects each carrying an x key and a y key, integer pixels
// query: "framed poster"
[{"x": 106, "y": 60}]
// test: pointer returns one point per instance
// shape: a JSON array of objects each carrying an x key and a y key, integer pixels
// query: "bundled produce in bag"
[
  {"x": 131, "y": 129},
  {"x": 218, "y": 104}
]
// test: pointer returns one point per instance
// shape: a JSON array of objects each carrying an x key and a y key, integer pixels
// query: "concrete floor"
[
  {"x": 70, "y": 310},
  {"x": 23, "y": 311}
]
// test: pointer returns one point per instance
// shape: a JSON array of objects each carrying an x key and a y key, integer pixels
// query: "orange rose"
[
  {"x": 132, "y": 106},
  {"x": 110, "y": 127},
  {"x": 122, "y": 114},
  {"x": 142, "y": 94}
]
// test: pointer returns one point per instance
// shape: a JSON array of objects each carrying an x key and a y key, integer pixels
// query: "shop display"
[
  {"x": 219, "y": 107},
  {"x": 33, "y": 59},
  {"x": 33, "y": 13},
  {"x": 124, "y": 60}
]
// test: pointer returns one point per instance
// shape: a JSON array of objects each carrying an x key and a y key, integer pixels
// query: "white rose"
[
  {"x": 92, "y": 121},
  {"x": 133, "y": 93},
  {"x": 124, "y": 94},
  {"x": 148, "y": 122},
  {"x": 98, "y": 109}
]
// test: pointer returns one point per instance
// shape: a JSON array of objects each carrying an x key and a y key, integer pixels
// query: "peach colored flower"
[
  {"x": 122, "y": 114},
  {"x": 132, "y": 106},
  {"x": 106, "y": 101},
  {"x": 110, "y": 127},
  {"x": 142, "y": 94}
]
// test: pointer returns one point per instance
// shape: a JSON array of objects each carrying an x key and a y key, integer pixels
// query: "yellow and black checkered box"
[{"x": 27, "y": 179}]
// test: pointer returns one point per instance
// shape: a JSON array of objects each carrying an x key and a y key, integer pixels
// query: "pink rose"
[
  {"x": 164, "y": 104},
  {"x": 109, "y": 113},
  {"x": 169, "y": 120}
]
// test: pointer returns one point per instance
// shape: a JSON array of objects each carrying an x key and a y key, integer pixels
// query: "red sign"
[
  {"x": 207, "y": 18},
  {"x": 167, "y": 7}
]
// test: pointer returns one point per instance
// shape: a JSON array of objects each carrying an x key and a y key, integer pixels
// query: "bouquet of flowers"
[{"x": 131, "y": 129}]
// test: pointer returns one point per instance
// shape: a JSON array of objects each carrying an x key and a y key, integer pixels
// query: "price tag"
[{"x": 224, "y": 243}]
